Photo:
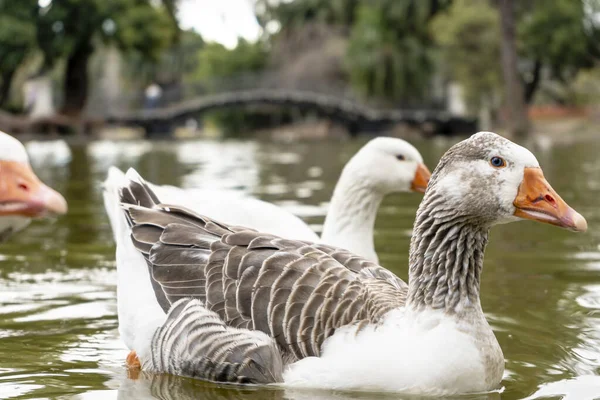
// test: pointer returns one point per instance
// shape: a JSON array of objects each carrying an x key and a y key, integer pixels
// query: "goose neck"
[
  {"x": 350, "y": 220},
  {"x": 446, "y": 260}
]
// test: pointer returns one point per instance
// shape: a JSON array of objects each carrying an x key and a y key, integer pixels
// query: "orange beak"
[
  {"x": 419, "y": 183},
  {"x": 536, "y": 200},
  {"x": 23, "y": 194}
]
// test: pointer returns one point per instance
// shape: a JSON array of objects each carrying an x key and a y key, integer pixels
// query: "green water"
[{"x": 58, "y": 316}]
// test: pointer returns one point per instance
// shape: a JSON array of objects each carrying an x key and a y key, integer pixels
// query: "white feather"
[
  {"x": 138, "y": 311},
  {"x": 12, "y": 149},
  {"x": 416, "y": 353}
]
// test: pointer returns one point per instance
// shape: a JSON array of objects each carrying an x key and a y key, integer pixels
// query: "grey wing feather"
[
  {"x": 196, "y": 342},
  {"x": 296, "y": 292}
]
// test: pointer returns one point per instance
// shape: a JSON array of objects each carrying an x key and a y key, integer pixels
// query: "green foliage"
[
  {"x": 17, "y": 38},
  {"x": 17, "y": 31},
  {"x": 390, "y": 54},
  {"x": 70, "y": 30},
  {"x": 560, "y": 35},
  {"x": 66, "y": 26},
  {"x": 216, "y": 61},
  {"x": 179, "y": 61},
  {"x": 469, "y": 36},
  {"x": 216, "y": 64},
  {"x": 585, "y": 88},
  {"x": 143, "y": 28},
  {"x": 294, "y": 14}
]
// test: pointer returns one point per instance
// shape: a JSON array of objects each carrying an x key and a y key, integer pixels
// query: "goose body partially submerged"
[
  {"x": 381, "y": 167},
  {"x": 230, "y": 304},
  {"x": 22, "y": 195}
]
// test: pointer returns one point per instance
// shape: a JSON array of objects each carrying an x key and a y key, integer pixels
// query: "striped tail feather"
[{"x": 196, "y": 342}]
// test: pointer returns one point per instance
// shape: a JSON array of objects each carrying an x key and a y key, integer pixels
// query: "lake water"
[{"x": 58, "y": 316}]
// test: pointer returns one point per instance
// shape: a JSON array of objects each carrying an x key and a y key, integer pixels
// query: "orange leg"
[
  {"x": 132, "y": 361},
  {"x": 133, "y": 365}
]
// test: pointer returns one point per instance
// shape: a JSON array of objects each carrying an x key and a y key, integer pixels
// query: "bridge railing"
[{"x": 264, "y": 80}]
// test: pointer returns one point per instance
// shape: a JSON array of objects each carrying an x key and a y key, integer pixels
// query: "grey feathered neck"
[{"x": 446, "y": 257}]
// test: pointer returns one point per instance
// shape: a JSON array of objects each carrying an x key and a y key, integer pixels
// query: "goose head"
[
  {"x": 22, "y": 195},
  {"x": 390, "y": 165},
  {"x": 490, "y": 180}
]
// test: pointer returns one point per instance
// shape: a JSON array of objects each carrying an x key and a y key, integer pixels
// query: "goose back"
[{"x": 296, "y": 292}]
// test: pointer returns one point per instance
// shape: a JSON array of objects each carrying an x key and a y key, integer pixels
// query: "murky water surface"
[{"x": 58, "y": 316}]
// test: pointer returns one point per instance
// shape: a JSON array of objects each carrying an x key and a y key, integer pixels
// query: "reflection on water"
[
  {"x": 231, "y": 165},
  {"x": 58, "y": 324},
  {"x": 167, "y": 387}
]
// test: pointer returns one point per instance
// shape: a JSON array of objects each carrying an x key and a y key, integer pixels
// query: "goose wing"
[
  {"x": 196, "y": 342},
  {"x": 294, "y": 291}
]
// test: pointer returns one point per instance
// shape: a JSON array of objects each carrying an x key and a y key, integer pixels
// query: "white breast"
[{"x": 427, "y": 354}]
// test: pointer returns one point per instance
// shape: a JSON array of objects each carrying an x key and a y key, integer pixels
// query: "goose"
[
  {"x": 382, "y": 166},
  {"x": 230, "y": 304},
  {"x": 22, "y": 195}
]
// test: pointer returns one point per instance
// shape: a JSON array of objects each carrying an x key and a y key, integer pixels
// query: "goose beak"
[
  {"x": 536, "y": 200},
  {"x": 422, "y": 175},
  {"x": 23, "y": 194}
]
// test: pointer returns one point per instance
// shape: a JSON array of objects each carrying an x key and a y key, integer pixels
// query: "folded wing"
[{"x": 295, "y": 292}]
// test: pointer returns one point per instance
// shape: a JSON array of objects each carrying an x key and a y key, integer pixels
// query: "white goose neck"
[
  {"x": 350, "y": 220},
  {"x": 446, "y": 259}
]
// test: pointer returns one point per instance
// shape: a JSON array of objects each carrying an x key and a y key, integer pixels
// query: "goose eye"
[
  {"x": 400, "y": 157},
  {"x": 498, "y": 162}
]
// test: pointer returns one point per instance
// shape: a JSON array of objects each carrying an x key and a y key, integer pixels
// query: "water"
[{"x": 58, "y": 318}]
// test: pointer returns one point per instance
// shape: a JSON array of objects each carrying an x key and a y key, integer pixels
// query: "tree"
[
  {"x": 390, "y": 52},
  {"x": 468, "y": 35},
  {"x": 221, "y": 69},
  {"x": 515, "y": 99},
  {"x": 71, "y": 30},
  {"x": 295, "y": 14},
  {"x": 559, "y": 36},
  {"x": 17, "y": 39},
  {"x": 383, "y": 63},
  {"x": 175, "y": 65},
  {"x": 216, "y": 61}
]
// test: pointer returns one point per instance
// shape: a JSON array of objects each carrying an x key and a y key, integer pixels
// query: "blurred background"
[
  {"x": 270, "y": 99},
  {"x": 303, "y": 68}
]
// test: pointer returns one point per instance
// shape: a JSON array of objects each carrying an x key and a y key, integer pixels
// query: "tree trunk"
[
  {"x": 515, "y": 95},
  {"x": 532, "y": 85},
  {"x": 76, "y": 81},
  {"x": 5, "y": 87}
]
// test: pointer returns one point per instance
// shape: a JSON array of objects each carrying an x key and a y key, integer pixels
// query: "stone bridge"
[{"x": 355, "y": 116}]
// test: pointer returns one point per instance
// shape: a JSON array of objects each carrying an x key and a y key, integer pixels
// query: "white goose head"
[
  {"x": 381, "y": 167},
  {"x": 390, "y": 165},
  {"x": 490, "y": 180},
  {"x": 22, "y": 195}
]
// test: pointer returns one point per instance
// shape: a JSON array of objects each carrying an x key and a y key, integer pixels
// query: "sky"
[{"x": 221, "y": 21}]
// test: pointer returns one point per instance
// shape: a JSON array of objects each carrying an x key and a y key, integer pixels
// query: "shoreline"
[{"x": 557, "y": 131}]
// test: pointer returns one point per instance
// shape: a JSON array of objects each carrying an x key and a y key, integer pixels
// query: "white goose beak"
[
  {"x": 23, "y": 194},
  {"x": 536, "y": 200}
]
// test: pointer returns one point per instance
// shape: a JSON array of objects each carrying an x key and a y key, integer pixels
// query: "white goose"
[
  {"x": 22, "y": 195},
  {"x": 381, "y": 167},
  {"x": 242, "y": 306}
]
